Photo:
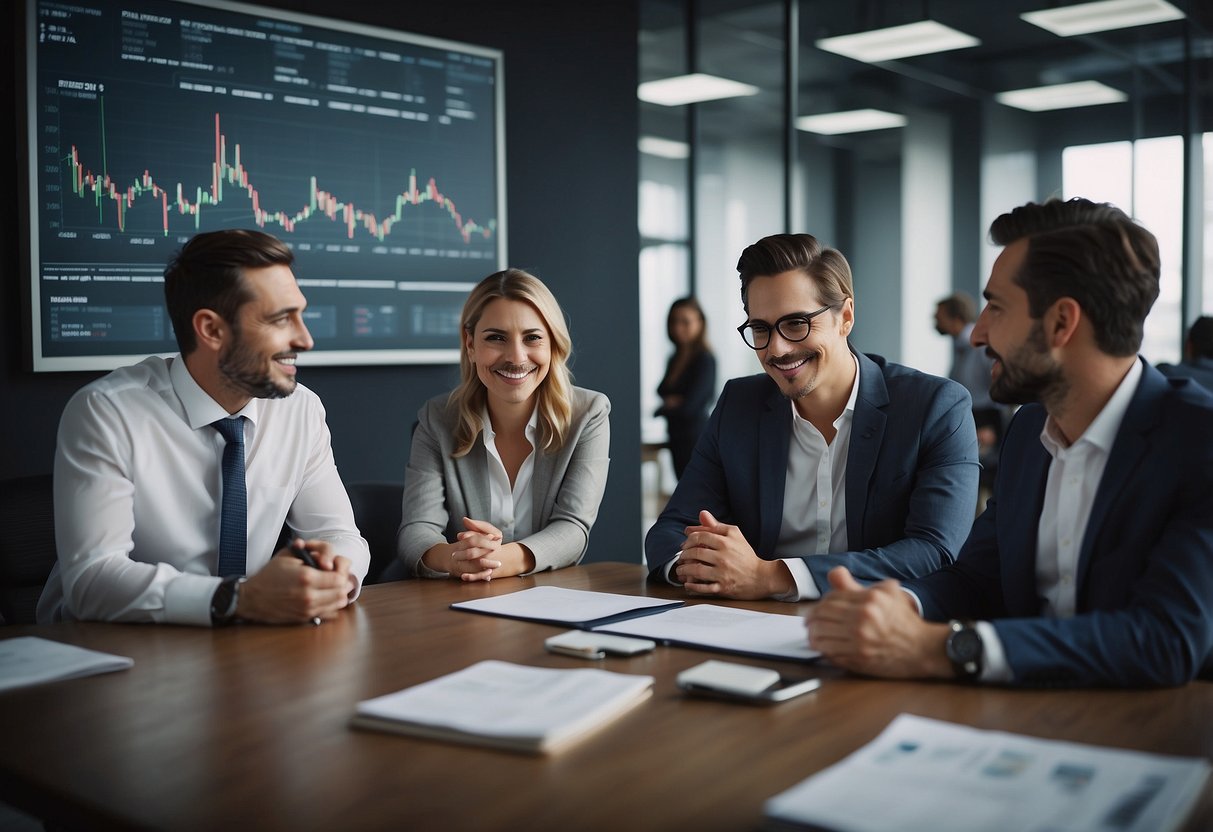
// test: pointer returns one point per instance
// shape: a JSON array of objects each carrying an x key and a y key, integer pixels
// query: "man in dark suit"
[
  {"x": 1093, "y": 562},
  {"x": 830, "y": 458}
]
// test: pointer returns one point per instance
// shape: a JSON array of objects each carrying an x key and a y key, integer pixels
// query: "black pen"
[{"x": 299, "y": 550}]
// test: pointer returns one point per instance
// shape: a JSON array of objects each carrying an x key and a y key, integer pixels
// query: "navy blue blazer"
[
  {"x": 911, "y": 482},
  {"x": 1145, "y": 572}
]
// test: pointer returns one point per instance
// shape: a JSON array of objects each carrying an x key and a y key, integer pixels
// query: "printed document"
[
  {"x": 572, "y": 607},
  {"x": 27, "y": 660},
  {"x": 534, "y": 709},
  {"x": 925, "y": 774},
  {"x": 730, "y": 629}
]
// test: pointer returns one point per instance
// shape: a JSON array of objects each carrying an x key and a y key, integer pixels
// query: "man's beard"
[
  {"x": 1028, "y": 374},
  {"x": 246, "y": 371}
]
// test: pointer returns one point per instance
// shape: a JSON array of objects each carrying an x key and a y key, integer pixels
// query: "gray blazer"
[{"x": 567, "y": 485}]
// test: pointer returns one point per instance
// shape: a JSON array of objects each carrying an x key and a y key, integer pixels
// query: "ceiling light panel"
[
  {"x": 850, "y": 121},
  {"x": 665, "y": 148},
  {"x": 1102, "y": 16},
  {"x": 1061, "y": 96},
  {"x": 923, "y": 38},
  {"x": 691, "y": 89}
]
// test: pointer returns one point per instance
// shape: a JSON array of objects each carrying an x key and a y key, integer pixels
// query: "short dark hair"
[
  {"x": 781, "y": 253},
  {"x": 1091, "y": 252},
  {"x": 1200, "y": 337},
  {"x": 959, "y": 305},
  {"x": 208, "y": 273}
]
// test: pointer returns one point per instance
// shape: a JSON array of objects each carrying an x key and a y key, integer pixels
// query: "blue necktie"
[{"x": 233, "y": 518}]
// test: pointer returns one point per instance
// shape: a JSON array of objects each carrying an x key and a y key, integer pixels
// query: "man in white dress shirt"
[{"x": 141, "y": 463}]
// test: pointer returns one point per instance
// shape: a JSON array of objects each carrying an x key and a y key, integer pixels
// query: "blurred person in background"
[{"x": 689, "y": 383}]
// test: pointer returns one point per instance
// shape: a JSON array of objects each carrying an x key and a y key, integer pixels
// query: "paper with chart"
[
  {"x": 730, "y": 629},
  {"x": 27, "y": 660},
  {"x": 953, "y": 778}
]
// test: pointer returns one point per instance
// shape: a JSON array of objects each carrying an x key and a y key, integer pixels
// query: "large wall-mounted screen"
[{"x": 376, "y": 155}]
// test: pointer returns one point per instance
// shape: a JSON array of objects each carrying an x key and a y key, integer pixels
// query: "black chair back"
[
  {"x": 377, "y": 511},
  {"x": 27, "y": 545}
]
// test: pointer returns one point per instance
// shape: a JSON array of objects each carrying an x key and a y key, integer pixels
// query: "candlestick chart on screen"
[{"x": 376, "y": 156}]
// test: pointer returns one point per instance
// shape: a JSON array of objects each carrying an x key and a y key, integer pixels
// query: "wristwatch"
[
  {"x": 225, "y": 600},
  {"x": 964, "y": 650}
]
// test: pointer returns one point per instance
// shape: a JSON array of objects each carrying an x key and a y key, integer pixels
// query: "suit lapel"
[
  {"x": 774, "y": 436},
  {"x": 541, "y": 481},
  {"x": 474, "y": 476},
  {"x": 1128, "y": 450},
  {"x": 1020, "y": 500},
  {"x": 867, "y": 433}
]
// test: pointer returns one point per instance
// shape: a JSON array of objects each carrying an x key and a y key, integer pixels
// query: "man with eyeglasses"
[{"x": 871, "y": 466}]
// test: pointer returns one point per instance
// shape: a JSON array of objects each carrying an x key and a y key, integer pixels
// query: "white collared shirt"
[
  {"x": 814, "y": 496},
  {"x": 1073, "y": 479},
  {"x": 510, "y": 507},
  {"x": 138, "y": 485}
]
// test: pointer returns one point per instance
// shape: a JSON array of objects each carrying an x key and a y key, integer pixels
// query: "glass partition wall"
[
  {"x": 899, "y": 147},
  {"x": 896, "y": 132}
]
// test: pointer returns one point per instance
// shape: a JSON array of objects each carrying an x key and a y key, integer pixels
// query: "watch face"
[
  {"x": 223, "y": 602},
  {"x": 964, "y": 646}
]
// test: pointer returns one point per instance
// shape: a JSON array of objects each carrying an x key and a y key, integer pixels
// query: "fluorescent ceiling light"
[
  {"x": 1061, "y": 96},
  {"x": 922, "y": 38},
  {"x": 665, "y": 148},
  {"x": 850, "y": 121},
  {"x": 1102, "y": 16},
  {"x": 689, "y": 89}
]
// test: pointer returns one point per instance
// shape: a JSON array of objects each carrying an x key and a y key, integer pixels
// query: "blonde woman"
[{"x": 506, "y": 472}]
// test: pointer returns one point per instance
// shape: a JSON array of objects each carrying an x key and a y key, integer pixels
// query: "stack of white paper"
[
  {"x": 925, "y": 774},
  {"x": 27, "y": 660},
  {"x": 534, "y": 708}
]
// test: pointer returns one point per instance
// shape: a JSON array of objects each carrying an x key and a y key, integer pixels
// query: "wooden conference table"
[{"x": 246, "y": 727}]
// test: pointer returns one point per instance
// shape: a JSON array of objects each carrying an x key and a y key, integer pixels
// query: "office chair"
[
  {"x": 377, "y": 509},
  {"x": 27, "y": 545}
]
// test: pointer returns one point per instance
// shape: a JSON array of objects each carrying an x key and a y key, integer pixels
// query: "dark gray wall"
[{"x": 571, "y": 126}]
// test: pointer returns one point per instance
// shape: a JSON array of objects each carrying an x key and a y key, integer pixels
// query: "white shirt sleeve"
[
  {"x": 322, "y": 507},
  {"x": 994, "y": 667},
  {"x": 94, "y": 528},
  {"x": 806, "y": 588},
  {"x": 668, "y": 572}
]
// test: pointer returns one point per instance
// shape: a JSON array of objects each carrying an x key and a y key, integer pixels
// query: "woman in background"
[
  {"x": 690, "y": 380},
  {"x": 506, "y": 471}
]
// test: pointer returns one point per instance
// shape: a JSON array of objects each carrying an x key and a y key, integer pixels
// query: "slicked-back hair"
[
  {"x": 208, "y": 273},
  {"x": 1093, "y": 253},
  {"x": 780, "y": 253},
  {"x": 555, "y": 392}
]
